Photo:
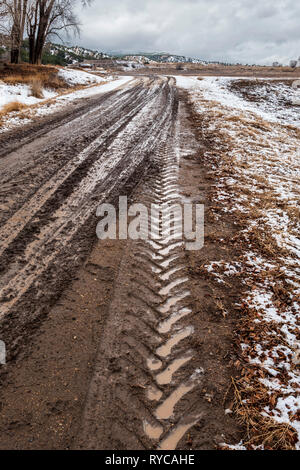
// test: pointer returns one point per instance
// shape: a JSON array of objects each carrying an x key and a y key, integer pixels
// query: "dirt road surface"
[{"x": 110, "y": 344}]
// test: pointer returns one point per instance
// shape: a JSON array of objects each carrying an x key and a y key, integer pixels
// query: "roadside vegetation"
[
  {"x": 36, "y": 78},
  {"x": 9, "y": 108},
  {"x": 255, "y": 163},
  {"x": 26, "y": 74}
]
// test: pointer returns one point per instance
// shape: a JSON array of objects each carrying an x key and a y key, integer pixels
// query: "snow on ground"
[
  {"x": 84, "y": 93},
  {"x": 20, "y": 93},
  {"x": 217, "y": 89},
  {"x": 256, "y": 161},
  {"x": 52, "y": 101},
  {"x": 78, "y": 77},
  {"x": 130, "y": 65}
]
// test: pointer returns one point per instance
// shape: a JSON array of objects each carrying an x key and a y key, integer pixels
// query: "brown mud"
[{"x": 112, "y": 345}]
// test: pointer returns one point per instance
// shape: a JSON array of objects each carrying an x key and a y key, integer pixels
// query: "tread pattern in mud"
[{"x": 144, "y": 390}]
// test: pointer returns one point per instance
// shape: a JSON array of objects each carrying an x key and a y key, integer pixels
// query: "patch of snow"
[
  {"x": 261, "y": 184},
  {"x": 216, "y": 89},
  {"x": 78, "y": 77},
  {"x": 20, "y": 93}
]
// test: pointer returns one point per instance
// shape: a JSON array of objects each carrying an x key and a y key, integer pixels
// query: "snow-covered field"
[
  {"x": 256, "y": 163},
  {"x": 271, "y": 108},
  {"x": 22, "y": 94},
  {"x": 52, "y": 101}
]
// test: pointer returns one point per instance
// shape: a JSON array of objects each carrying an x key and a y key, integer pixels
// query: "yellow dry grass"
[
  {"x": 27, "y": 74},
  {"x": 14, "y": 106},
  {"x": 36, "y": 88}
]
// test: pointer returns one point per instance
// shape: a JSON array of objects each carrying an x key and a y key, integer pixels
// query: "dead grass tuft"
[
  {"x": 14, "y": 106},
  {"x": 36, "y": 88},
  {"x": 261, "y": 431}
]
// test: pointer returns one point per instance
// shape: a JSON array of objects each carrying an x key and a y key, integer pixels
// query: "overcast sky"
[{"x": 247, "y": 31}]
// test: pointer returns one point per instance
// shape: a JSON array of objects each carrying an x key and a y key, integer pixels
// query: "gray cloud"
[{"x": 233, "y": 30}]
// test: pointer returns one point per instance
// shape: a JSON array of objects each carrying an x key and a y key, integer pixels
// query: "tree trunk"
[
  {"x": 45, "y": 12},
  {"x": 31, "y": 42},
  {"x": 15, "y": 43},
  {"x": 14, "y": 56},
  {"x": 19, "y": 10}
]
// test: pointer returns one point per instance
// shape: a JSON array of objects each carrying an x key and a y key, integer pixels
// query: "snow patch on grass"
[
  {"x": 256, "y": 164},
  {"x": 22, "y": 94},
  {"x": 79, "y": 77},
  {"x": 217, "y": 89}
]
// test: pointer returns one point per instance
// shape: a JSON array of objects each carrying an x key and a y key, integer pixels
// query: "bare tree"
[
  {"x": 32, "y": 24},
  {"x": 48, "y": 18},
  {"x": 3, "y": 17},
  {"x": 44, "y": 18},
  {"x": 15, "y": 13}
]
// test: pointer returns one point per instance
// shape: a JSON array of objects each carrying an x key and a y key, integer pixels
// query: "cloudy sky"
[{"x": 246, "y": 31}]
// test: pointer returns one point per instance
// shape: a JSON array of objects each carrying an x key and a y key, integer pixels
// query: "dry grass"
[
  {"x": 261, "y": 431},
  {"x": 29, "y": 74},
  {"x": 36, "y": 88},
  {"x": 257, "y": 196},
  {"x": 12, "y": 107}
]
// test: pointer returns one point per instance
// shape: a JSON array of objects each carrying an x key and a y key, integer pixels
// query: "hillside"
[
  {"x": 163, "y": 57},
  {"x": 59, "y": 54},
  {"x": 74, "y": 53}
]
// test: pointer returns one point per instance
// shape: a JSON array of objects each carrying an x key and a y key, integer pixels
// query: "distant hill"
[
  {"x": 63, "y": 55},
  {"x": 73, "y": 54},
  {"x": 164, "y": 57},
  {"x": 58, "y": 54}
]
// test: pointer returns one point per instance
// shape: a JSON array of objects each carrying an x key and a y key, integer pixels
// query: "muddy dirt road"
[{"x": 106, "y": 347}]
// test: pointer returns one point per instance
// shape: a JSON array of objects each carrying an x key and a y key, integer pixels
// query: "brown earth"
[
  {"x": 219, "y": 70},
  {"x": 111, "y": 344}
]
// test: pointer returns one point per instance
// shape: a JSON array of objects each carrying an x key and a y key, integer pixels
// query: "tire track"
[
  {"x": 41, "y": 252},
  {"x": 144, "y": 390},
  {"x": 173, "y": 290},
  {"x": 28, "y": 211},
  {"x": 88, "y": 135}
]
